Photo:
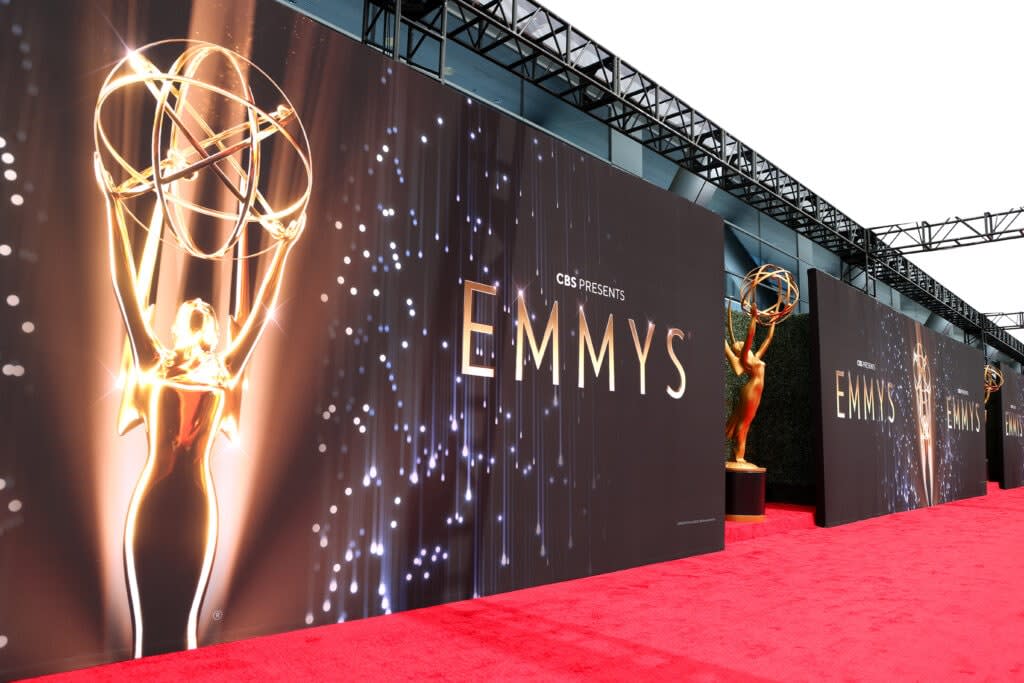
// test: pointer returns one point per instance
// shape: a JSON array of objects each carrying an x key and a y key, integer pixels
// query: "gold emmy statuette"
[
  {"x": 186, "y": 392},
  {"x": 744, "y": 360},
  {"x": 993, "y": 380},
  {"x": 924, "y": 409}
]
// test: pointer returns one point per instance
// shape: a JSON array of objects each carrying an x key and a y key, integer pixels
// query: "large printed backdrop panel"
[
  {"x": 1005, "y": 415},
  {"x": 488, "y": 366},
  {"x": 901, "y": 421}
]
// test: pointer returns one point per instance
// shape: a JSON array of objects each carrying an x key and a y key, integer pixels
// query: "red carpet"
[
  {"x": 779, "y": 518},
  {"x": 926, "y": 595}
]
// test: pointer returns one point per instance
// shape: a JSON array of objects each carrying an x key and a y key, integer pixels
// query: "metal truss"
[
  {"x": 548, "y": 52},
  {"x": 914, "y": 238},
  {"x": 1008, "y": 321}
]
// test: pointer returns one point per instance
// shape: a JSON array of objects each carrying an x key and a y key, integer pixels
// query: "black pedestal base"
[{"x": 744, "y": 494}]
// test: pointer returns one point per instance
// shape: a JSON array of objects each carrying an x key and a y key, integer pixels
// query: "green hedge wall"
[{"x": 781, "y": 434}]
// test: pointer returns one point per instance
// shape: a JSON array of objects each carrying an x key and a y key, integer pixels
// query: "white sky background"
[{"x": 892, "y": 111}]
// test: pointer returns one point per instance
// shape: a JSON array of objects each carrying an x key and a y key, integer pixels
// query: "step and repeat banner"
[
  {"x": 1005, "y": 416},
  {"x": 294, "y": 334},
  {"x": 901, "y": 421}
]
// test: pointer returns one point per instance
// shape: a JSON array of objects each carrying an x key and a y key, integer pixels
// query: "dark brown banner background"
[
  {"x": 373, "y": 476},
  {"x": 1005, "y": 416},
  {"x": 870, "y": 461}
]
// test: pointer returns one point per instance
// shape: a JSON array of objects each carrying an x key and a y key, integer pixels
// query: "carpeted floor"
[
  {"x": 927, "y": 595},
  {"x": 779, "y": 518}
]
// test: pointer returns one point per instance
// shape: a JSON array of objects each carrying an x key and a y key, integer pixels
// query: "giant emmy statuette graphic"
[
  {"x": 924, "y": 410},
  {"x": 185, "y": 392},
  {"x": 742, "y": 357},
  {"x": 993, "y": 380}
]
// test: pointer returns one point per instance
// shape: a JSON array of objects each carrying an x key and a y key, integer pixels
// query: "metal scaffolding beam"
[
  {"x": 1008, "y": 321},
  {"x": 914, "y": 238},
  {"x": 545, "y": 50}
]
